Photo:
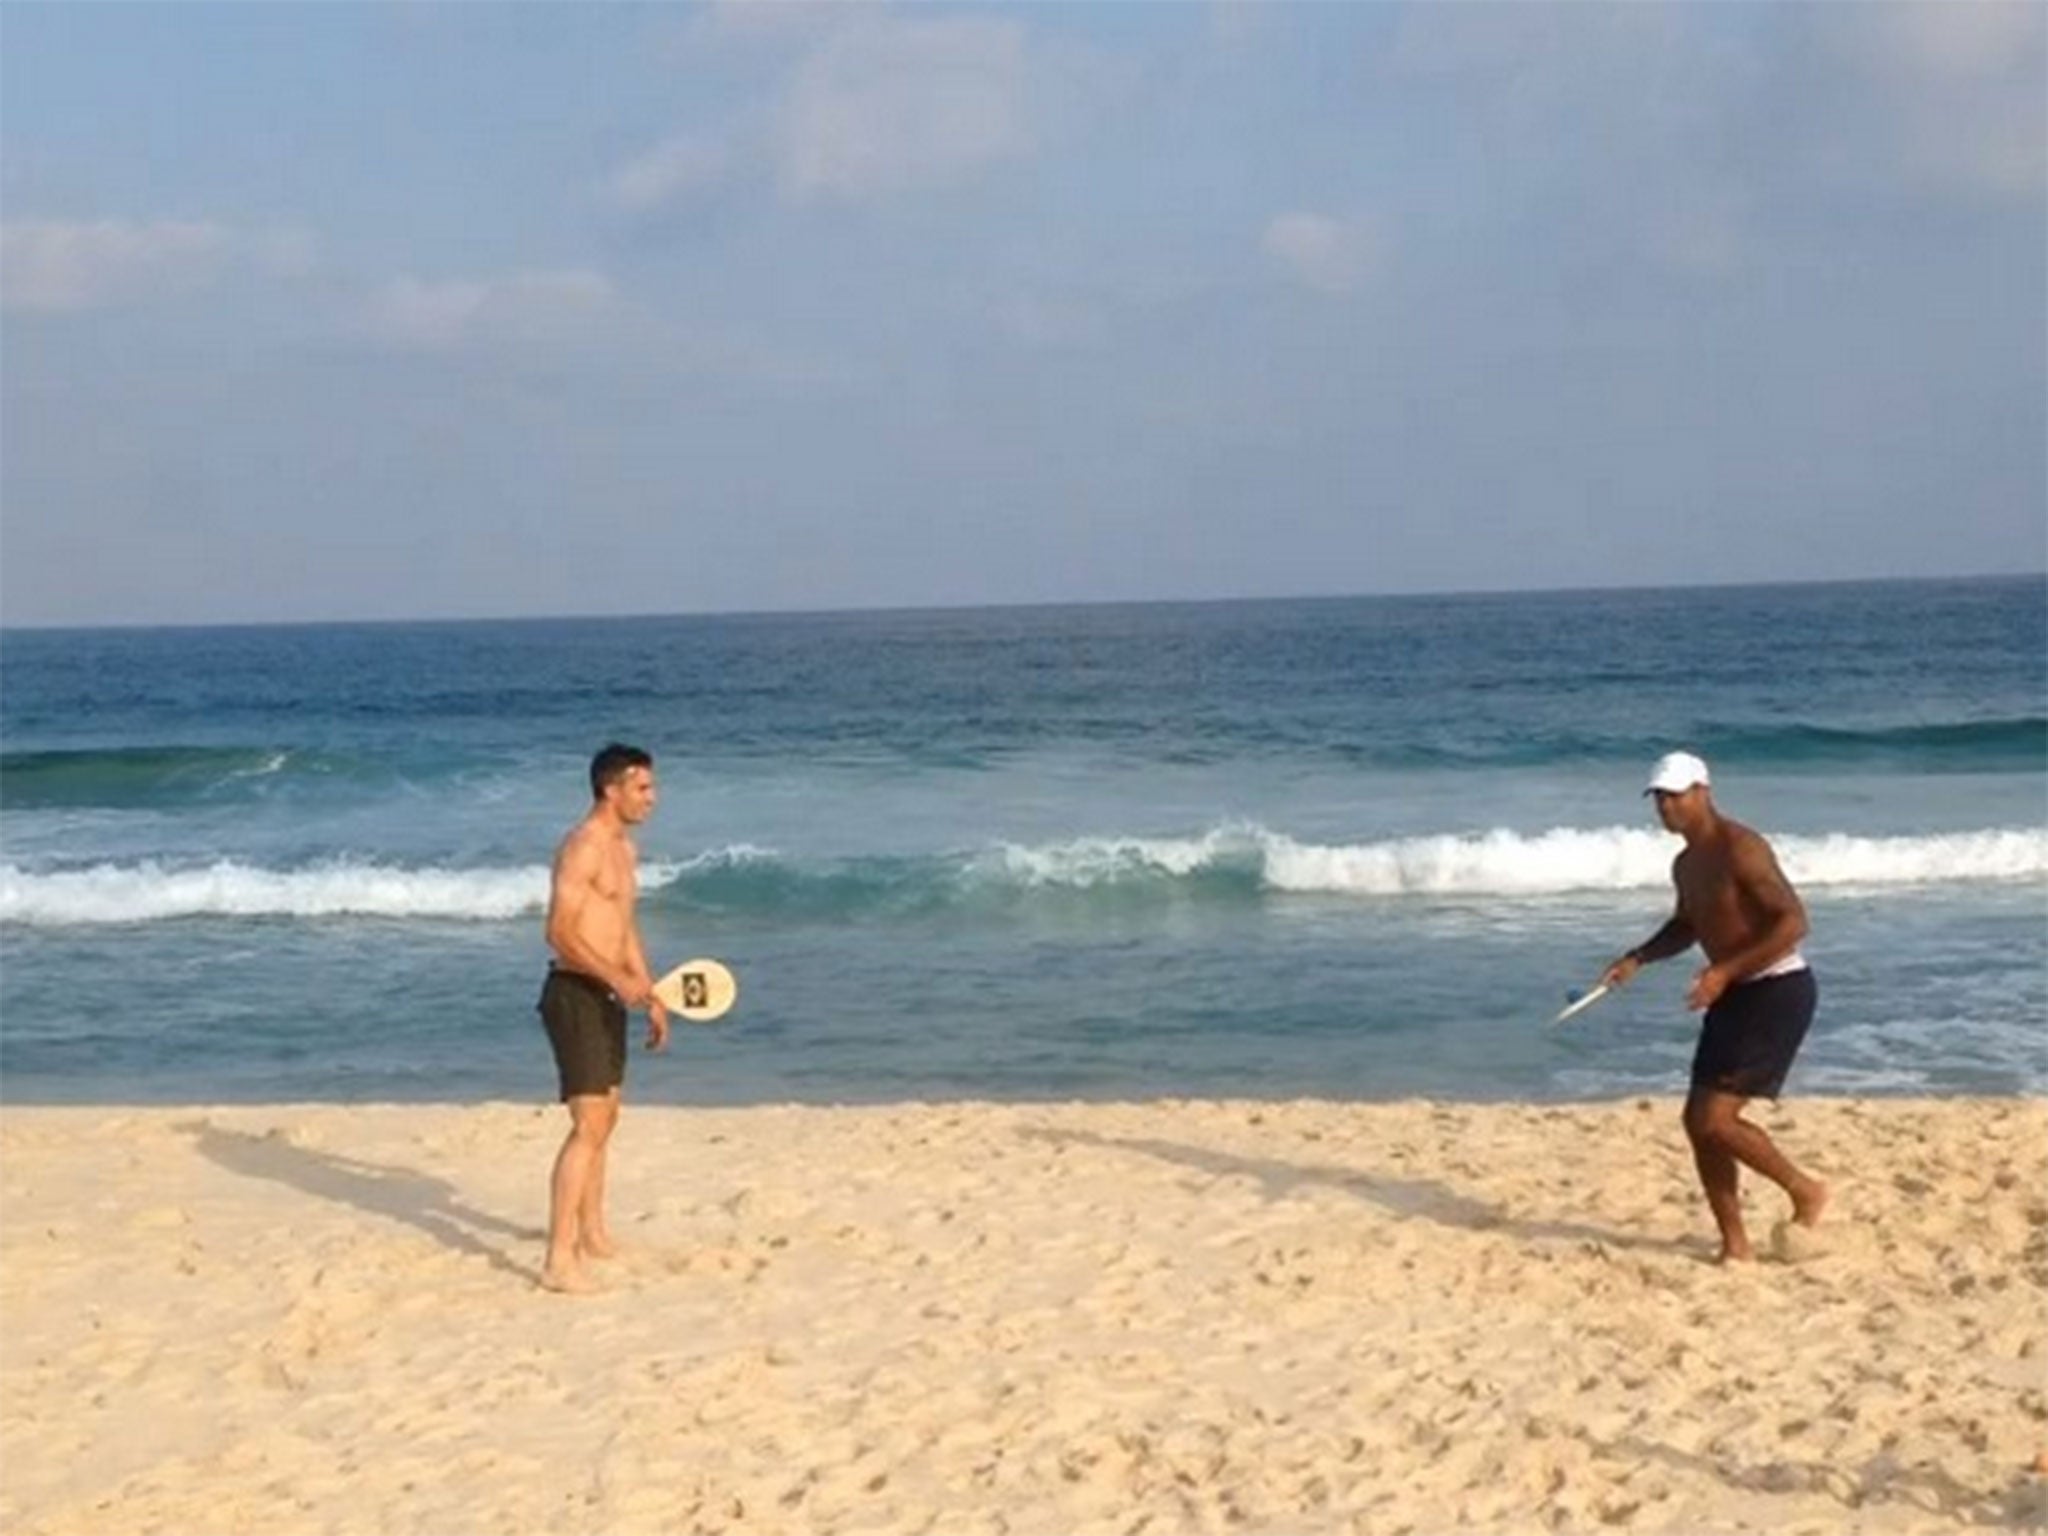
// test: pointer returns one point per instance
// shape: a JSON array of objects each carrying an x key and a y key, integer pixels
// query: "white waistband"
[{"x": 1789, "y": 965}]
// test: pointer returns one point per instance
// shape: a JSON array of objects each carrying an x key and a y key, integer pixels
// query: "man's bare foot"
[
  {"x": 1808, "y": 1201},
  {"x": 566, "y": 1280},
  {"x": 598, "y": 1247},
  {"x": 1736, "y": 1253}
]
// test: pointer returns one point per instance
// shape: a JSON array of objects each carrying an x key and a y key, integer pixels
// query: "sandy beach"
[{"x": 1059, "y": 1318}]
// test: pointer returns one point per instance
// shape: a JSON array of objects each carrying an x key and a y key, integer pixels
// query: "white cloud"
[
  {"x": 521, "y": 307},
  {"x": 884, "y": 106},
  {"x": 1947, "y": 41},
  {"x": 59, "y": 266},
  {"x": 674, "y": 168},
  {"x": 55, "y": 265},
  {"x": 1327, "y": 254},
  {"x": 286, "y": 252},
  {"x": 1960, "y": 87}
]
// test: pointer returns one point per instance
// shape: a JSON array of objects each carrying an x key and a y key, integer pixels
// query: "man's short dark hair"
[{"x": 611, "y": 763}]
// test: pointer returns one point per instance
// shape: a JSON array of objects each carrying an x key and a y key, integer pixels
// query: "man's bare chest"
[
  {"x": 1708, "y": 894},
  {"x": 614, "y": 878}
]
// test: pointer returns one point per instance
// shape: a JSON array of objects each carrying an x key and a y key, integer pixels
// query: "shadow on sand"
[
  {"x": 1407, "y": 1198},
  {"x": 1880, "y": 1479},
  {"x": 427, "y": 1204}
]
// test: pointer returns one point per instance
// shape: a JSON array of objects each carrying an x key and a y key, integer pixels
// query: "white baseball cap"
[{"x": 1676, "y": 772}]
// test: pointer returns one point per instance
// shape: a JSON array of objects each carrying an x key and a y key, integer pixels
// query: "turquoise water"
[{"x": 1345, "y": 847}]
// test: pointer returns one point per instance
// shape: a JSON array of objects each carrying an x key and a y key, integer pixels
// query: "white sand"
[{"x": 1169, "y": 1317}]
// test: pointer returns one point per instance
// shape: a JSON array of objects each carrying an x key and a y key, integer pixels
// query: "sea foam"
[{"x": 1245, "y": 861}]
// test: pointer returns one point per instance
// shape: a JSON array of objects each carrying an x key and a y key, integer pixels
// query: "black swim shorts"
[
  {"x": 586, "y": 1024},
  {"x": 1751, "y": 1035}
]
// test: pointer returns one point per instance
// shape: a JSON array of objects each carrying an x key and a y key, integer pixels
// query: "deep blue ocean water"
[{"x": 1355, "y": 848}]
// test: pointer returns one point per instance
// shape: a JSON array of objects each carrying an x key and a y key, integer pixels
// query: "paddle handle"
[{"x": 1581, "y": 1004}]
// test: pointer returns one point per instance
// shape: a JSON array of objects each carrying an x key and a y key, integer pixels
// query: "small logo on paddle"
[{"x": 696, "y": 990}]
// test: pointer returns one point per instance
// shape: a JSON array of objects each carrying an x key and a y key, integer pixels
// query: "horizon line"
[{"x": 1023, "y": 604}]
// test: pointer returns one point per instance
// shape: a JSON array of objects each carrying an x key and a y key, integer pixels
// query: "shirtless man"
[
  {"x": 1756, "y": 988},
  {"x": 599, "y": 971}
]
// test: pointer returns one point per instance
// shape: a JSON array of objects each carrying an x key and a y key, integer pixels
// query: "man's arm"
[
  {"x": 570, "y": 895},
  {"x": 636, "y": 956},
  {"x": 657, "y": 1016},
  {"x": 1675, "y": 937}
]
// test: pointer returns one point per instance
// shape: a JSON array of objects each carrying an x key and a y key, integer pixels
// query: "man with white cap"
[{"x": 1756, "y": 988}]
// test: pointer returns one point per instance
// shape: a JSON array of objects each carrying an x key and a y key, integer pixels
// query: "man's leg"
[
  {"x": 590, "y": 1118},
  {"x": 595, "y": 1233},
  {"x": 1719, "y": 1175},
  {"x": 1720, "y": 1139}
]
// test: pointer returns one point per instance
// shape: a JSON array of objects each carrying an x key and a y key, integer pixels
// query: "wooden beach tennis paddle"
[{"x": 698, "y": 990}]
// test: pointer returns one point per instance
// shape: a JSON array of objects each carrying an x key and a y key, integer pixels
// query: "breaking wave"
[{"x": 1238, "y": 863}]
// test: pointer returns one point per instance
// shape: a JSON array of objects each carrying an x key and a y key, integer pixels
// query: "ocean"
[{"x": 1355, "y": 848}]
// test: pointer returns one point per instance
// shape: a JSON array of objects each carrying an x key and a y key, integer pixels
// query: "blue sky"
[{"x": 415, "y": 310}]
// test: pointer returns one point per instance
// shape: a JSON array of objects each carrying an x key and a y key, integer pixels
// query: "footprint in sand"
[{"x": 1794, "y": 1244}]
